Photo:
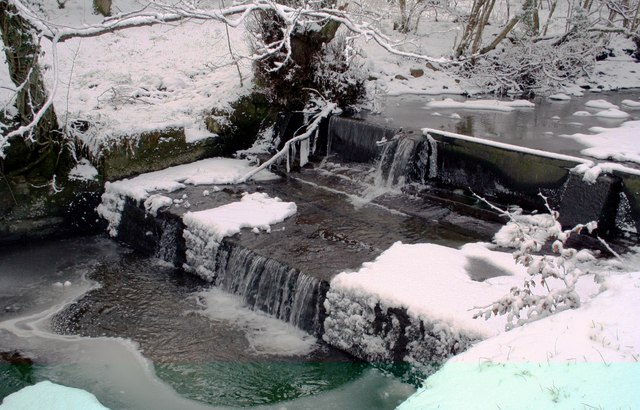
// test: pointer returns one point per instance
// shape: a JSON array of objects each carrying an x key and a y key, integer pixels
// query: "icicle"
[
  {"x": 304, "y": 152},
  {"x": 288, "y": 162},
  {"x": 433, "y": 157},
  {"x": 315, "y": 140}
]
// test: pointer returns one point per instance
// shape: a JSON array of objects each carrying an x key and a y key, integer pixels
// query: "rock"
[
  {"x": 416, "y": 72},
  {"x": 400, "y": 77}
]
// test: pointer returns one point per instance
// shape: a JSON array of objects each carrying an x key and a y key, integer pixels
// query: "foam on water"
[{"x": 265, "y": 334}]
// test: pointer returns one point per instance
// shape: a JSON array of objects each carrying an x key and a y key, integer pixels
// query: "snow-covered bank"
[
  {"x": 582, "y": 358},
  {"x": 50, "y": 396},
  {"x": 618, "y": 144}
]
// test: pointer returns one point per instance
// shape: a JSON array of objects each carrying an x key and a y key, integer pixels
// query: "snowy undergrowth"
[{"x": 204, "y": 230}]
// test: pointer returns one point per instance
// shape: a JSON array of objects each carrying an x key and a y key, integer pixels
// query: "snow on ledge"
[
  {"x": 509, "y": 147},
  {"x": 204, "y": 230},
  {"x": 433, "y": 282},
  {"x": 205, "y": 172}
]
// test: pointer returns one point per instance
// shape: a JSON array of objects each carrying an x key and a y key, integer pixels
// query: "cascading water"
[
  {"x": 264, "y": 283},
  {"x": 396, "y": 157}
]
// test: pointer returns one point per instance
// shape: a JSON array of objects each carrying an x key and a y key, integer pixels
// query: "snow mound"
[
  {"x": 488, "y": 105},
  {"x": 559, "y": 97},
  {"x": 204, "y": 230},
  {"x": 630, "y": 103},
  {"x": 50, "y": 396},
  {"x": 600, "y": 104},
  {"x": 618, "y": 144},
  {"x": 612, "y": 113},
  {"x": 256, "y": 210}
]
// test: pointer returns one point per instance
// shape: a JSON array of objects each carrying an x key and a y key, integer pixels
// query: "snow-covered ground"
[
  {"x": 151, "y": 78},
  {"x": 50, "y": 396}
]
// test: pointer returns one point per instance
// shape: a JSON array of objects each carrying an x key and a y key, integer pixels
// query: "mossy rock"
[
  {"x": 238, "y": 128},
  {"x": 30, "y": 208},
  {"x": 150, "y": 152}
]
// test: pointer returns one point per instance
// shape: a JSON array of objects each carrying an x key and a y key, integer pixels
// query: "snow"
[
  {"x": 173, "y": 77},
  {"x": 83, "y": 171},
  {"x": 618, "y": 144},
  {"x": 257, "y": 210},
  {"x": 612, "y": 113},
  {"x": 487, "y": 105},
  {"x": 581, "y": 358},
  {"x": 204, "y": 230},
  {"x": 559, "y": 97},
  {"x": 630, "y": 103},
  {"x": 50, "y": 396},
  {"x": 600, "y": 104},
  {"x": 406, "y": 275},
  {"x": 208, "y": 171}
]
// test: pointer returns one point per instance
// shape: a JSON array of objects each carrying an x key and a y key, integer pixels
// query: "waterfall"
[
  {"x": 264, "y": 284},
  {"x": 167, "y": 247},
  {"x": 396, "y": 158},
  {"x": 356, "y": 141}
]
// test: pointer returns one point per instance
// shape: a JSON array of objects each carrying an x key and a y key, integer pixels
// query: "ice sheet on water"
[{"x": 47, "y": 396}]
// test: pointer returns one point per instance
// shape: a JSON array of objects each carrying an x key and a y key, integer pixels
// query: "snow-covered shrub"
[
  {"x": 292, "y": 66},
  {"x": 528, "y": 67},
  {"x": 557, "y": 274},
  {"x": 339, "y": 76}
]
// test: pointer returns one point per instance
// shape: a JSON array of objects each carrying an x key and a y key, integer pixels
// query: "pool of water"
[
  {"x": 543, "y": 127},
  {"x": 140, "y": 334}
]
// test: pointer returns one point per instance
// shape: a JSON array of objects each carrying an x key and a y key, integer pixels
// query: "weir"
[{"x": 340, "y": 224}]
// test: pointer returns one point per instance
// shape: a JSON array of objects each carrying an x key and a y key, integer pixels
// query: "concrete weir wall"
[{"x": 499, "y": 172}]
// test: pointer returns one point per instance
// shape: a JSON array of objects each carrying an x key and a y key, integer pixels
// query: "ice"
[
  {"x": 600, "y": 104},
  {"x": 489, "y": 105},
  {"x": 50, "y": 396}
]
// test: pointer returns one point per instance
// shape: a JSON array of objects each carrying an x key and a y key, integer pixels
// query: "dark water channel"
[
  {"x": 543, "y": 127},
  {"x": 142, "y": 334}
]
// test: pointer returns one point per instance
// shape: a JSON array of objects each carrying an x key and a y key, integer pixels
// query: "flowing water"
[{"x": 139, "y": 334}]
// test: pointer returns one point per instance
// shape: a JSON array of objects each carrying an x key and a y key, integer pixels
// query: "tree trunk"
[
  {"x": 22, "y": 50},
  {"x": 102, "y": 7}
]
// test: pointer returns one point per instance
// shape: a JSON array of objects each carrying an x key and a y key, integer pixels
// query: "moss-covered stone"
[
  {"x": 631, "y": 189},
  {"x": 30, "y": 207},
  {"x": 239, "y": 128},
  {"x": 152, "y": 151}
]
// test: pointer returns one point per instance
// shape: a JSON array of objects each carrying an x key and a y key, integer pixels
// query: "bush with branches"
[{"x": 556, "y": 274}]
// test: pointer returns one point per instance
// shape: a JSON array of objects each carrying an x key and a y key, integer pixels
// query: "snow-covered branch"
[
  {"x": 557, "y": 274},
  {"x": 327, "y": 110}
]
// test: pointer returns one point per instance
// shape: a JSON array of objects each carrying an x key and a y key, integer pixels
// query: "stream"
[{"x": 140, "y": 337}]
